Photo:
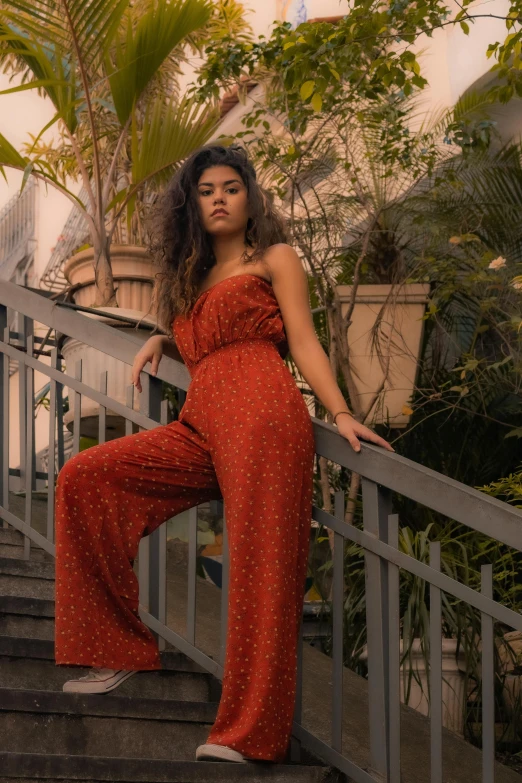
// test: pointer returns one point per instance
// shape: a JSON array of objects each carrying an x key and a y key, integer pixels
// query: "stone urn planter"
[
  {"x": 389, "y": 352},
  {"x": 134, "y": 278},
  {"x": 133, "y": 272},
  {"x": 414, "y": 683},
  {"x": 510, "y": 653},
  {"x": 414, "y": 677}
]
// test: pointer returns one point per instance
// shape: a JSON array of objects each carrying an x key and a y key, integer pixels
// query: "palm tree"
[{"x": 100, "y": 63}]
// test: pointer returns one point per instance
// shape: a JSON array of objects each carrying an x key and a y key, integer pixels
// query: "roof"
[{"x": 231, "y": 99}]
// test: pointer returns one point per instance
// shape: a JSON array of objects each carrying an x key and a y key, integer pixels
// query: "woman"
[{"x": 236, "y": 298}]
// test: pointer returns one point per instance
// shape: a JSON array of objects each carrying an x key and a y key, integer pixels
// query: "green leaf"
[
  {"x": 170, "y": 133},
  {"x": 9, "y": 156},
  {"x": 34, "y": 85},
  {"x": 465, "y": 27},
  {"x": 85, "y": 27},
  {"x": 50, "y": 66},
  {"x": 27, "y": 173},
  {"x": 141, "y": 48},
  {"x": 516, "y": 433},
  {"x": 317, "y": 102},
  {"x": 307, "y": 89}
]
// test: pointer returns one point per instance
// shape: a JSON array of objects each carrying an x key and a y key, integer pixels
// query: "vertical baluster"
[
  {"x": 192, "y": 554},
  {"x": 224, "y": 591},
  {"x": 143, "y": 572},
  {"x": 102, "y": 416},
  {"x": 4, "y": 413},
  {"x": 295, "y": 744},
  {"x": 129, "y": 402},
  {"x": 22, "y": 399},
  {"x": 164, "y": 416},
  {"x": 159, "y": 554},
  {"x": 337, "y": 628},
  {"x": 376, "y": 511},
  {"x": 77, "y": 410},
  {"x": 153, "y": 551},
  {"x": 435, "y": 670},
  {"x": 30, "y": 455},
  {"x": 60, "y": 446},
  {"x": 394, "y": 614},
  {"x": 51, "y": 466},
  {"x": 488, "y": 682}
]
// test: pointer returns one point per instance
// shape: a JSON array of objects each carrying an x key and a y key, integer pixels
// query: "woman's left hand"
[{"x": 353, "y": 430}]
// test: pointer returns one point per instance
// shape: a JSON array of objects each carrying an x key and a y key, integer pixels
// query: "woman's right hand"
[{"x": 152, "y": 351}]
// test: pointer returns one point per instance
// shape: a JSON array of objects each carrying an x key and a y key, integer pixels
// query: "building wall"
[{"x": 20, "y": 115}]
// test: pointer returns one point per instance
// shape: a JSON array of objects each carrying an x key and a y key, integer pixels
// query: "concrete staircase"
[{"x": 147, "y": 730}]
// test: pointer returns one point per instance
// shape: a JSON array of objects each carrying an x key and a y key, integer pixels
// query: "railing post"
[
  {"x": 4, "y": 414},
  {"x": 337, "y": 629},
  {"x": 22, "y": 398},
  {"x": 30, "y": 452},
  {"x": 153, "y": 548},
  {"x": 54, "y": 419},
  {"x": 376, "y": 510},
  {"x": 488, "y": 680},
  {"x": 225, "y": 572},
  {"x": 435, "y": 669}
]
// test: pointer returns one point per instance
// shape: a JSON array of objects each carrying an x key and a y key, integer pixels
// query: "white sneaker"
[
  {"x": 98, "y": 681},
  {"x": 219, "y": 753}
]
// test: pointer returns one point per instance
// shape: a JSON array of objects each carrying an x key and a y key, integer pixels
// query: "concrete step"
[
  {"x": 12, "y": 545},
  {"x": 26, "y": 578},
  {"x": 20, "y": 625},
  {"x": 9, "y": 535},
  {"x": 93, "y": 725},
  {"x": 28, "y": 664},
  {"x": 34, "y": 607},
  {"x": 27, "y": 568},
  {"x": 44, "y": 649},
  {"x": 31, "y": 617},
  {"x": 17, "y": 551},
  {"x": 25, "y": 767}
]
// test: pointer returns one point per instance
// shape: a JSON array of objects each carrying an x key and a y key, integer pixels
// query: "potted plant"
[{"x": 116, "y": 132}]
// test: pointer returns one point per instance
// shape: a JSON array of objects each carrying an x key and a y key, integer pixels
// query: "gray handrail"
[
  {"x": 382, "y": 474},
  {"x": 443, "y": 494}
]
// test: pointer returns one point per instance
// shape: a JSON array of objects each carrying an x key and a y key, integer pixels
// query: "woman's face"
[{"x": 222, "y": 188}]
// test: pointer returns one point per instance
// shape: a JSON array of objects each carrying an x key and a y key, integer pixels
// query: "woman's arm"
[
  {"x": 170, "y": 349},
  {"x": 152, "y": 351},
  {"x": 291, "y": 289}
]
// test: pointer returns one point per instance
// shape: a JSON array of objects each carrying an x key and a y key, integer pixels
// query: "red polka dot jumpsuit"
[{"x": 244, "y": 433}]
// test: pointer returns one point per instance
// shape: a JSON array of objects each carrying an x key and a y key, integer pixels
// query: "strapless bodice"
[{"x": 239, "y": 308}]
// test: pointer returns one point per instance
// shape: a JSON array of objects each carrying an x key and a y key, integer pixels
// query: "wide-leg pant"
[{"x": 111, "y": 495}]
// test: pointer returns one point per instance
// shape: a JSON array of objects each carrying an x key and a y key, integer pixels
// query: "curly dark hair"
[{"x": 180, "y": 246}]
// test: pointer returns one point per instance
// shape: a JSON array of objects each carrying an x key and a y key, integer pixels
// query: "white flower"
[
  {"x": 517, "y": 283},
  {"x": 498, "y": 263}
]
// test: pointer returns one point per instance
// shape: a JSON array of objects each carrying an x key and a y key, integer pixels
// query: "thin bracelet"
[{"x": 339, "y": 413}]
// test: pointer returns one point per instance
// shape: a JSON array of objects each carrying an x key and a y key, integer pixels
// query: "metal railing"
[
  {"x": 382, "y": 474},
  {"x": 74, "y": 234},
  {"x": 17, "y": 229}
]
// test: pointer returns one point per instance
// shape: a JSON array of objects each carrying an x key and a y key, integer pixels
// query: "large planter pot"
[
  {"x": 386, "y": 356},
  {"x": 133, "y": 272},
  {"x": 510, "y": 653},
  {"x": 414, "y": 684},
  {"x": 414, "y": 677},
  {"x": 95, "y": 362}
]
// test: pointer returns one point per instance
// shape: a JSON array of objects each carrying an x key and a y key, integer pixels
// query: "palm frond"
[{"x": 139, "y": 51}]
